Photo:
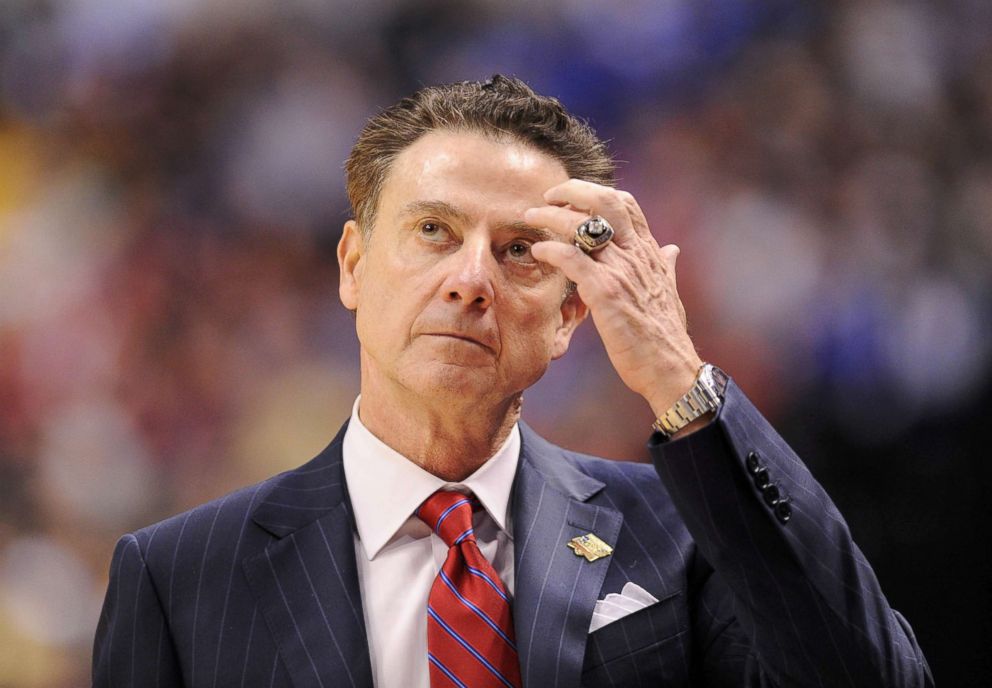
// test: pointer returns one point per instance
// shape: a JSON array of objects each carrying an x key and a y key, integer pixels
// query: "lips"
[{"x": 465, "y": 337}]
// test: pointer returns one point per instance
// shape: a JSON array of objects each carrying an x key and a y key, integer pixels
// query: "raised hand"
[{"x": 629, "y": 286}]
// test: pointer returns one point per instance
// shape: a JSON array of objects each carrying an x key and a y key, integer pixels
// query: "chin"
[{"x": 444, "y": 379}]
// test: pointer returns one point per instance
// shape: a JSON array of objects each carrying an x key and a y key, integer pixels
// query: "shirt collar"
[{"x": 385, "y": 487}]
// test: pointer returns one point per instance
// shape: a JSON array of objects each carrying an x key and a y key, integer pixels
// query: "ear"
[
  {"x": 573, "y": 312},
  {"x": 351, "y": 251}
]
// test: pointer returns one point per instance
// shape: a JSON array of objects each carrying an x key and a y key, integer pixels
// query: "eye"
[
  {"x": 519, "y": 251},
  {"x": 432, "y": 231}
]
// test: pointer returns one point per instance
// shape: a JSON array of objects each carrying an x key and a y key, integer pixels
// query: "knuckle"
[
  {"x": 607, "y": 195},
  {"x": 611, "y": 200}
]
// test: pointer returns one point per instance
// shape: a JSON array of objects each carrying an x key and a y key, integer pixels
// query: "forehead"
[{"x": 471, "y": 171}]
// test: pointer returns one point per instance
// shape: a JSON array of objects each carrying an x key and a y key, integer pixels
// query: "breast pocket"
[{"x": 642, "y": 648}]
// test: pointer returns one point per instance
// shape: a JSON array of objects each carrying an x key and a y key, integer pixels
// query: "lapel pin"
[{"x": 590, "y": 547}]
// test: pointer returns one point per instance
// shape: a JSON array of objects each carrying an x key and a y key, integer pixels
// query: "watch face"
[
  {"x": 714, "y": 380},
  {"x": 720, "y": 380}
]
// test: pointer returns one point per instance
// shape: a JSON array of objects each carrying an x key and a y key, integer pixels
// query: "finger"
[
  {"x": 567, "y": 258},
  {"x": 637, "y": 218},
  {"x": 565, "y": 222},
  {"x": 584, "y": 195},
  {"x": 618, "y": 207},
  {"x": 561, "y": 221},
  {"x": 670, "y": 255}
]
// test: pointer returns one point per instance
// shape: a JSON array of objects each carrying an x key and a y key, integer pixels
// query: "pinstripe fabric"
[
  {"x": 743, "y": 599},
  {"x": 260, "y": 588},
  {"x": 806, "y": 602},
  {"x": 552, "y": 610},
  {"x": 156, "y": 631},
  {"x": 195, "y": 600}
]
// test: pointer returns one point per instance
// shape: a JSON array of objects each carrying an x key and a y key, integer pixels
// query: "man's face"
[{"x": 450, "y": 303}]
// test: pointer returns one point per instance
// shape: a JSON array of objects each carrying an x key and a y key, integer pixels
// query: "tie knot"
[{"x": 449, "y": 514}]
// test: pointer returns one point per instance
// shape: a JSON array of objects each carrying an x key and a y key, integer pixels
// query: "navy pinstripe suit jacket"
[{"x": 260, "y": 588}]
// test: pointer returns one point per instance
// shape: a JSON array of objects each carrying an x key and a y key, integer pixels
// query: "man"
[{"x": 438, "y": 541}]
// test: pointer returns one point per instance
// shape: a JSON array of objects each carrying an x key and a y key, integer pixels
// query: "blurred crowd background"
[{"x": 171, "y": 192}]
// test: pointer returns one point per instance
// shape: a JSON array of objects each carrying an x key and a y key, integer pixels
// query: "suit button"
[
  {"x": 753, "y": 462},
  {"x": 761, "y": 478},
  {"x": 783, "y": 511},
  {"x": 771, "y": 494}
]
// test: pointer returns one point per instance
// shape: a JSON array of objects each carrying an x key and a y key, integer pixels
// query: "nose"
[{"x": 470, "y": 275}]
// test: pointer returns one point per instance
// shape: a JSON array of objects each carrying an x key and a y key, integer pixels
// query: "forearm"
[{"x": 806, "y": 600}]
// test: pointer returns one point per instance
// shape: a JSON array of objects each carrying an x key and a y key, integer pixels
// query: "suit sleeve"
[
  {"x": 791, "y": 600},
  {"x": 133, "y": 647}
]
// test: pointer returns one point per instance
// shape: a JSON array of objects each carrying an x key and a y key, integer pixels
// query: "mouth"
[{"x": 461, "y": 337}]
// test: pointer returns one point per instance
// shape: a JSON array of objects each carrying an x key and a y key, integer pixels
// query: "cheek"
[
  {"x": 378, "y": 318},
  {"x": 365, "y": 328},
  {"x": 535, "y": 332},
  {"x": 391, "y": 302},
  {"x": 546, "y": 319}
]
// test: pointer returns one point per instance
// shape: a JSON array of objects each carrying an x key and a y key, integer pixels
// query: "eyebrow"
[
  {"x": 435, "y": 208},
  {"x": 530, "y": 232},
  {"x": 444, "y": 209}
]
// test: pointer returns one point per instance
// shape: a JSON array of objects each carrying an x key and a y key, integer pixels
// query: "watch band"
[{"x": 705, "y": 395}]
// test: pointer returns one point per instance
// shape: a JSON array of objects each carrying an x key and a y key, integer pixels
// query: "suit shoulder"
[
  {"x": 612, "y": 470},
  {"x": 226, "y": 517},
  {"x": 222, "y": 513}
]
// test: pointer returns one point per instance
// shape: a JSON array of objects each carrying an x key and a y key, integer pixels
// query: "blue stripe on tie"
[
  {"x": 462, "y": 536},
  {"x": 445, "y": 670},
  {"x": 444, "y": 514},
  {"x": 471, "y": 650},
  {"x": 482, "y": 574},
  {"x": 481, "y": 614}
]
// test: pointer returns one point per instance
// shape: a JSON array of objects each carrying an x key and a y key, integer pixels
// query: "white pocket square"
[{"x": 616, "y": 606}]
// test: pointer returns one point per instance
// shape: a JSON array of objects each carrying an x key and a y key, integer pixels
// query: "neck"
[{"x": 448, "y": 438}]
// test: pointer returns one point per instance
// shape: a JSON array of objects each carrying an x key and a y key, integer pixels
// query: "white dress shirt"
[{"x": 399, "y": 556}]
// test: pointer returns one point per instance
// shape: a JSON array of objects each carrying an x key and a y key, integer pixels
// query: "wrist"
[
  {"x": 697, "y": 406},
  {"x": 700, "y": 422},
  {"x": 677, "y": 381}
]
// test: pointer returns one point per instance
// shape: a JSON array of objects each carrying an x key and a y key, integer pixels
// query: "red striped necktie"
[{"x": 470, "y": 641}]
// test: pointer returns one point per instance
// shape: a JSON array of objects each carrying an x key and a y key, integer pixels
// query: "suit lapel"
[
  {"x": 306, "y": 581},
  {"x": 555, "y": 589}
]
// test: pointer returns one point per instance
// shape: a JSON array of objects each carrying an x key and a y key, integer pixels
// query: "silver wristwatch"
[{"x": 705, "y": 395}]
